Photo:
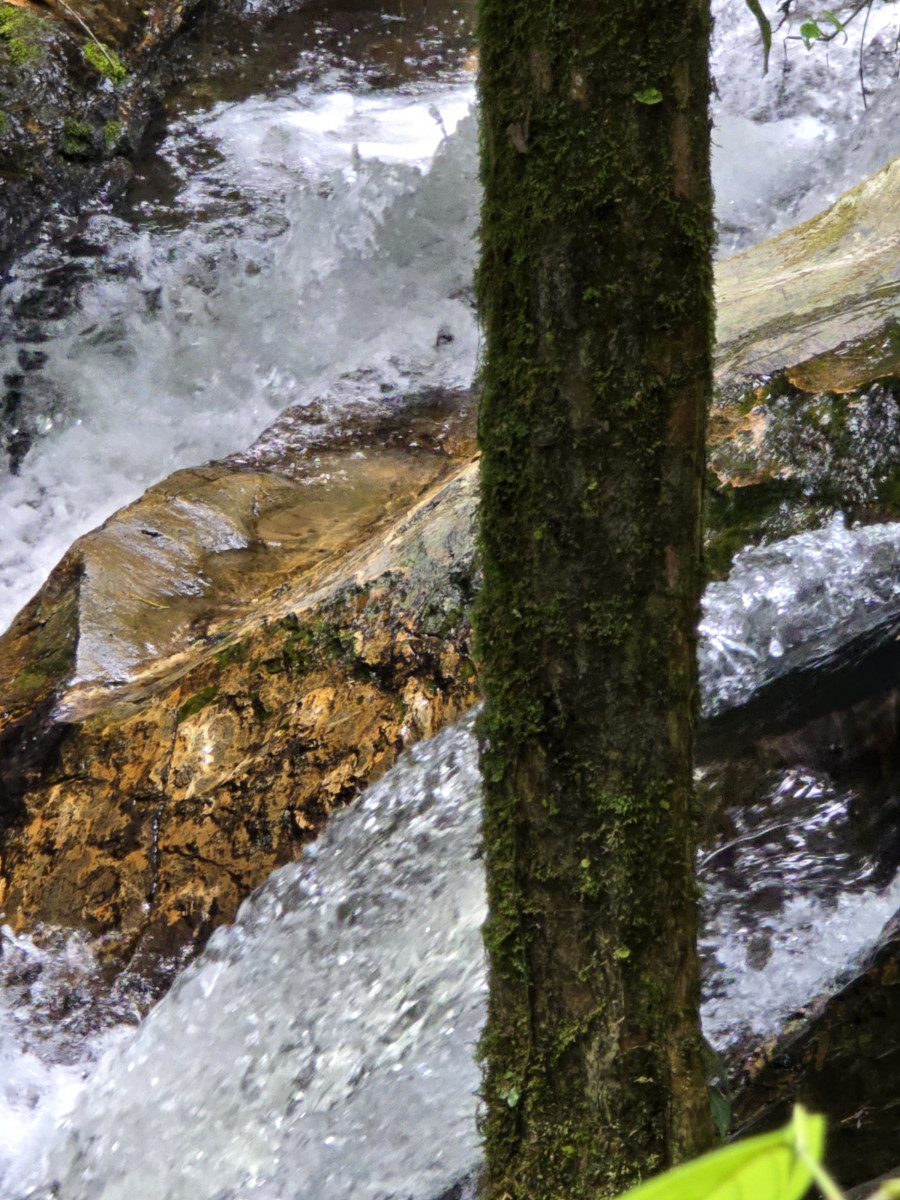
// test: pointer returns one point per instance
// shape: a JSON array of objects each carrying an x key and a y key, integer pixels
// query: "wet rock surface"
[
  {"x": 77, "y": 83},
  {"x": 205, "y": 677},
  {"x": 818, "y": 302},
  {"x": 842, "y": 1061},
  {"x": 807, "y": 416}
]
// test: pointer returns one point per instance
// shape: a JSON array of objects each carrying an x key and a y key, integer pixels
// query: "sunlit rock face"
[
  {"x": 312, "y": 251},
  {"x": 819, "y": 302},
  {"x": 241, "y": 651},
  {"x": 206, "y": 676}
]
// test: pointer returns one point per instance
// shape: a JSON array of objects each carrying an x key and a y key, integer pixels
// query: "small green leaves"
[
  {"x": 512, "y": 1097},
  {"x": 810, "y": 32},
  {"x": 765, "y": 28},
  {"x": 648, "y": 96},
  {"x": 774, "y": 1166}
]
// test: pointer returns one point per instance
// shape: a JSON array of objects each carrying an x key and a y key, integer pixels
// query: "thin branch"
[
  {"x": 87, "y": 29},
  {"x": 829, "y": 37},
  {"x": 862, "y": 44}
]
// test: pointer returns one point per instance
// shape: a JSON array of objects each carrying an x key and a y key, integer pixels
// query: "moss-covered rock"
[
  {"x": 104, "y": 61},
  {"x": 63, "y": 123},
  {"x": 783, "y": 460}
]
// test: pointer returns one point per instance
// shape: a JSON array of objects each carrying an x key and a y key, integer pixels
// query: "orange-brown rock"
[{"x": 205, "y": 677}]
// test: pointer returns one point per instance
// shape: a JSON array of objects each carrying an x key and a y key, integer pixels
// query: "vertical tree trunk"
[{"x": 595, "y": 287}]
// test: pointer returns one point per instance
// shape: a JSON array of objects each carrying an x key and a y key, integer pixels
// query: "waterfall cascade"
[{"x": 318, "y": 243}]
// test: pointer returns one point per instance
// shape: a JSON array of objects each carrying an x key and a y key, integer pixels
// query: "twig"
[
  {"x": 862, "y": 44},
  {"x": 87, "y": 29}
]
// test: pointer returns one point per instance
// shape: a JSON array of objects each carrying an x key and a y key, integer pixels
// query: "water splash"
[
  {"x": 323, "y": 1045},
  {"x": 788, "y": 143},
  {"x": 791, "y": 897},
  {"x": 786, "y": 604},
  {"x": 56, "y": 1020},
  {"x": 317, "y": 246}
]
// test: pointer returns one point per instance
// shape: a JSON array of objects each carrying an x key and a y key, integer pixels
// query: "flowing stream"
[{"x": 314, "y": 242}]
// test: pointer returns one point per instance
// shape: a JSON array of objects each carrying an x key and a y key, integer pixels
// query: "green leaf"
[
  {"x": 648, "y": 96},
  {"x": 810, "y": 32},
  {"x": 512, "y": 1097},
  {"x": 774, "y": 1166},
  {"x": 721, "y": 1111},
  {"x": 765, "y": 29},
  {"x": 835, "y": 21}
]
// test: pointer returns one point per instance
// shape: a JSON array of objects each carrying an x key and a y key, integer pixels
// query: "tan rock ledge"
[{"x": 207, "y": 675}]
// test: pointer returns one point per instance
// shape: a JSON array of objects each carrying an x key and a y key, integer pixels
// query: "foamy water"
[{"x": 322, "y": 244}]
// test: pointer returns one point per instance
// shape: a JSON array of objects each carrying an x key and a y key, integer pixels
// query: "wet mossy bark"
[{"x": 595, "y": 287}]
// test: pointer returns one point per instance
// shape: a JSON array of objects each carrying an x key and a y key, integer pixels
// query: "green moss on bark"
[{"x": 595, "y": 287}]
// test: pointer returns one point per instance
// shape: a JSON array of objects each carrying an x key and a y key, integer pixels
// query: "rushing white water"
[
  {"x": 792, "y": 602},
  {"x": 312, "y": 247},
  {"x": 306, "y": 247},
  {"x": 322, "y": 1047},
  {"x": 788, "y": 143},
  {"x": 318, "y": 244},
  {"x": 791, "y": 897},
  {"x": 52, "y": 1032}
]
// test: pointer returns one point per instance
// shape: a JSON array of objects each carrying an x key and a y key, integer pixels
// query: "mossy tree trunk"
[{"x": 595, "y": 287}]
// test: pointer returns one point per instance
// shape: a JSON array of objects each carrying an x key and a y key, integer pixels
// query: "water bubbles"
[
  {"x": 793, "y": 601},
  {"x": 287, "y": 262}
]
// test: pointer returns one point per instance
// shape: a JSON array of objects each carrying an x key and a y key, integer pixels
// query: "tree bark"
[{"x": 595, "y": 287}]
